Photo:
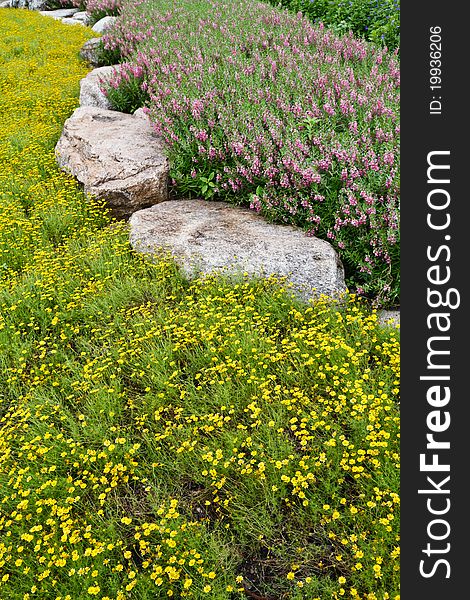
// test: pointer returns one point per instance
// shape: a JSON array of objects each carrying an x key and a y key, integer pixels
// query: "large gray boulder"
[
  {"x": 90, "y": 87},
  {"x": 104, "y": 24},
  {"x": 38, "y": 4},
  {"x": 209, "y": 236},
  {"x": 90, "y": 51},
  {"x": 117, "y": 157}
]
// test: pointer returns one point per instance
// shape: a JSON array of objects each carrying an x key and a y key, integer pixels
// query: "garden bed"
[
  {"x": 167, "y": 438},
  {"x": 261, "y": 107}
]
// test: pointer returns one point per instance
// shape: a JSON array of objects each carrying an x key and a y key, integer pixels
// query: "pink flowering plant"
[
  {"x": 260, "y": 106},
  {"x": 127, "y": 88},
  {"x": 102, "y": 8}
]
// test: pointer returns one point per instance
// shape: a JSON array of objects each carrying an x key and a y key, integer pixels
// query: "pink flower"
[{"x": 202, "y": 136}]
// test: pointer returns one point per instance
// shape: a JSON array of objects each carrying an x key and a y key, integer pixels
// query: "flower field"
[
  {"x": 163, "y": 437},
  {"x": 260, "y": 106}
]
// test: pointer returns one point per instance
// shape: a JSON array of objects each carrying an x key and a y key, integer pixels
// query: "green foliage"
[
  {"x": 129, "y": 95},
  {"x": 107, "y": 56},
  {"x": 375, "y": 20}
]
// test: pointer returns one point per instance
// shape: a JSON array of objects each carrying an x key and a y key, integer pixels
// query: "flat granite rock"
[
  {"x": 208, "y": 236},
  {"x": 59, "y": 13},
  {"x": 117, "y": 157},
  {"x": 73, "y": 21},
  {"x": 82, "y": 15}
]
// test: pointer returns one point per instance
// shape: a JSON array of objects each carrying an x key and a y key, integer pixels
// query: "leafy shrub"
[
  {"x": 126, "y": 92},
  {"x": 260, "y": 106},
  {"x": 375, "y": 20},
  {"x": 102, "y": 8},
  {"x": 57, "y": 4},
  {"x": 108, "y": 57}
]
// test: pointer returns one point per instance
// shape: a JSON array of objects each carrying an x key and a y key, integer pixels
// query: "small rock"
[
  {"x": 90, "y": 51},
  {"x": 117, "y": 157},
  {"x": 90, "y": 87},
  {"x": 389, "y": 317},
  {"x": 209, "y": 236},
  {"x": 73, "y": 22},
  {"x": 104, "y": 24},
  {"x": 141, "y": 114},
  {"x": 60, "y": 13},
  {"x": 82, "y": 15}
]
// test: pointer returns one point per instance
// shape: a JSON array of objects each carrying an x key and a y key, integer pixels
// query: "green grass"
[{"x": 162, "y": 437}]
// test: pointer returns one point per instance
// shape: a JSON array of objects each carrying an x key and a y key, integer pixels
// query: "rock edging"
[
  {"x": 206, "y": 236},
  {"x": 117, "y": 157}
]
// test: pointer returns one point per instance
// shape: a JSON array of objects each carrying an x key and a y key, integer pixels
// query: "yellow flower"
[
  {"x": 377, "y": 571},
  {"x": 93, "y": 590}
]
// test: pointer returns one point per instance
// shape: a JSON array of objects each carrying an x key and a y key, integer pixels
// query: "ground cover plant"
[
  {"x": 166, "y": 438},
  {"x": 260, "y": 106},
  {"x": 375, "y": 20}
]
